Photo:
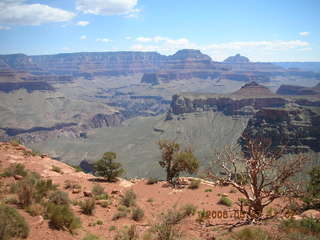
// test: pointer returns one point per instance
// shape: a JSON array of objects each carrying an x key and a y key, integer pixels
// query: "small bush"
[
  {"x": 309, "y": 226},
  {"x": 12, "y": 224},
  {"x": 90, "y": 237},
  {"x": 87, "y": 206},
  {"x": 35, "y": 209},
  {"x": 69, "y": 184},
  {"x": 129, "y": 198},
  {"x": 225, "y": 201},
  {"x": 127, "y": 233},
  {"x": 150, "y": 200},
  {"x": 11, "y": 200},
  {"x": 118, "y": 215},
  {"x": 112, "y": 228},
  {"x": 208, "y": 190},
  {"x": 59, "y": 198},
  {"x": 103, "y": 196},
  {"x": 194, "y": 184},
  {"x": 173, "y": 216},
  {"x": 97, "y": 189},
  {"x": 105, "y": 203},
  {"x": 188, "y": 209},
  {"x": 56, "y": 169},
  {"x": 252, "y": 234},
  {"x": 15, "y": 169},
  {"x": 15, "y": 142},
  {"x": 99, "y": 222},
  {"x": 25, "y": 193},
  {"x": 62, "y": 218},
  {"x": 152, "y": 180},
  {"x": 137, "y": 214},
  {"x": 202, "y": 216}
]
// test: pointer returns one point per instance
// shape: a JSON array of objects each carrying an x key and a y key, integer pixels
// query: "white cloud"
[
  {"x": 83, "y": 37},
  {"x": 83, "y": 23},
  {"x": 105, "y": 40},
  {"x": 128, "y": 38},
  {"x": 4, "y": 28},
  {"x": 143, "y": 39},
  {"x": 304, "y": 33},
  {"x": 18, "y": 12},
  {"x": 108, "y": 7}
]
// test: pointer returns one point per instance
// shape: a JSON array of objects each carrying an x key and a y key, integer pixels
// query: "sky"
[{"x": 262, "y": 30}]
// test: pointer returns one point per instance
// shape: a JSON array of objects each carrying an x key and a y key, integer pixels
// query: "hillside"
[{"x": 153, "y": 199}]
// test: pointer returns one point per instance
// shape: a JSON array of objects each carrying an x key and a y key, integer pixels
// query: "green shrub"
[
  {"x": 15, "y": 142},
  {"x": 194, "y": 184},
  {"x": 56, "y": 169},
  {"x": 90, "y": 237},
  {"x": 87, "y": 206},
  {"x": 312, "y": 198},
  {"x": 104, "y": 203},
  {"x": 103, "y": 196},
  {"x": 188, "y": 210},
  {"x": 15, "y": 169},
  {"x": 150, "y": 200},
  {"x": 99, "y": 222},
  {"x": 25, "y": 193},
  {"x": 60, "y": 198},
  {"x": 127, "y": 233},
  {"x": 202, "y": 216},
  {"x": 12, "y": 224},
  {"x": 129, "y": 198},
  {"x": 119, "y": 214},
  {"x": 62, "y": 218},
  {"x": 251, "y": 233},
  {"x": 307, "y": 226},
  {"x": 97, "y": 189},
  {"x": 208, "y": 190},
  {"x": 225, "y": 201},
  {"x": 152, "y": 180},
  {"x": 69, "y": 184},
  {"x": 137, "y": 213},
  {"x": 173, "y": 216},
  {"x": 35, "y": 209},
  {"x": 112, "y": 228}
]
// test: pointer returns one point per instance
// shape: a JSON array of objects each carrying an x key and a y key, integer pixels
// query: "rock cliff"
[{"x": 291, "y": 122}]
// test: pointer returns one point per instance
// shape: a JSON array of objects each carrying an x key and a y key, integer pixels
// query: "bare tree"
[{"x": 260, "y": 176}]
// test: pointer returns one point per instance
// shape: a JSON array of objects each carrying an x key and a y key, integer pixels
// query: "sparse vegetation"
[
  {"x": 90, "y": 237},
  {"x": 129, "y": 198},
  {"x": 87, "y": 206},
  {"x": 62, "y": 218},
  {"x": 188, "y": 210},
  {"x": 194, "y": 184},
  {"x": 15, "y": 169},
  {"x": 12, "y": 224},
  {"x": 312, "y": 196},
  {"x": 107, "y": 168},
  {"x": 175, "y": 160},
  {"x": 251, "y": 233},
  {"x": 119, "y": 214},
  {"x": 35, "y": 209},
  {"x": 97, "y": 189},
  {"x": 69, "y": 184},
  {"x": 15, "y": 142},
  {"x": 268, "y": 178},
  {"x": 137, "y": 213},
  {"x": 127, "y": 233},
  {"x": 112, "y": 228},
  {"x": 59, "y": 198},
  {"x": 208, "y": 190},
  {"x": 56, "y": 169},
  {"x": 152, "y": 180},
  {"x": 225, "y": 201}
]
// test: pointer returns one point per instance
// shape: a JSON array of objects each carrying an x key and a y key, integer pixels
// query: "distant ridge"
[
  {"x": 253, "y": 89},
  {"x": 237, "y": 59}
]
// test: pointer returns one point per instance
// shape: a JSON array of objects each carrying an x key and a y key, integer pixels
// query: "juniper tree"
[{"x": 107, "y": 168}]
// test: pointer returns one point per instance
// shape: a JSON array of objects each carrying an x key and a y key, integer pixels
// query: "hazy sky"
[{"x": 263, "y": 30}]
